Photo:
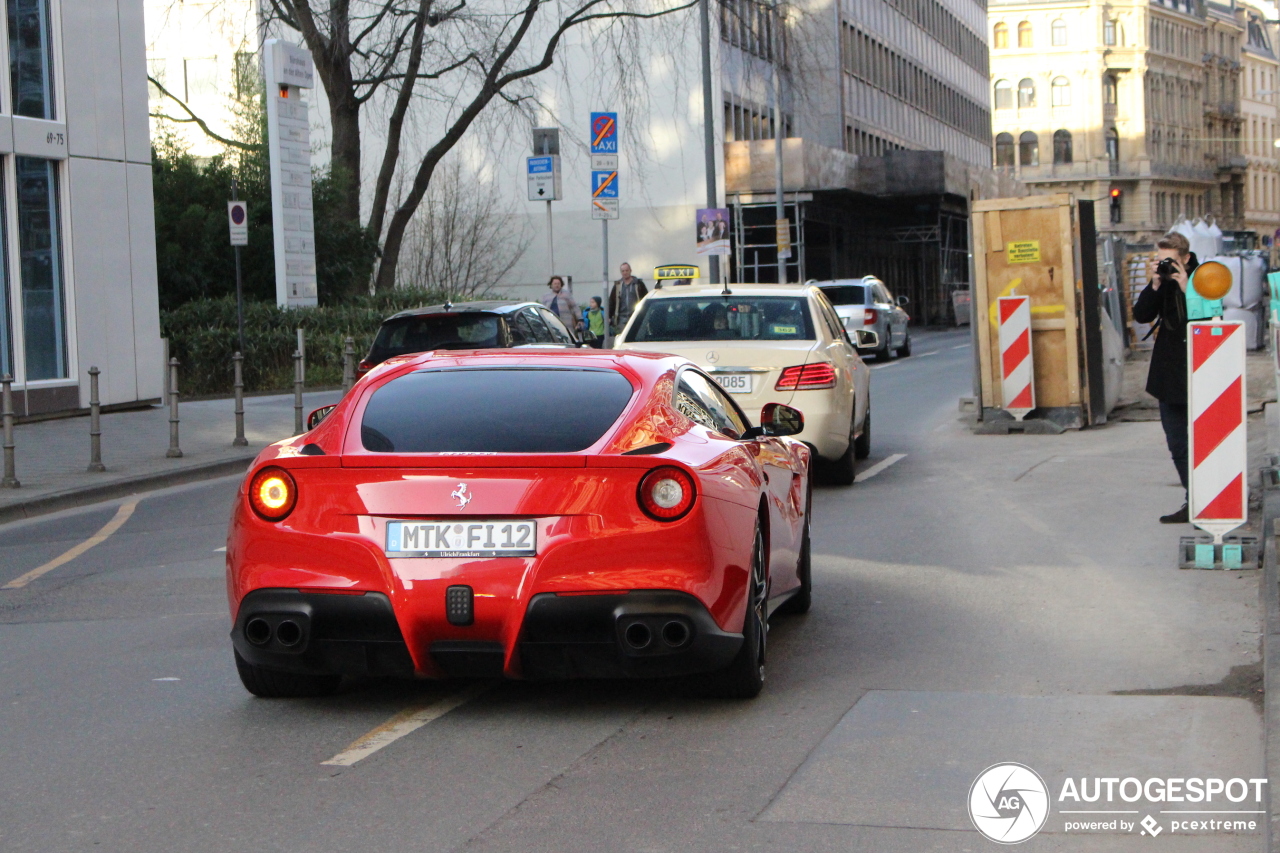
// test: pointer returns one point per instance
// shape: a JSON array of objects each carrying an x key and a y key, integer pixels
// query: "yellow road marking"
[
  {"x": 117, "y": 521},
  {"x": 403, "y": 723}
]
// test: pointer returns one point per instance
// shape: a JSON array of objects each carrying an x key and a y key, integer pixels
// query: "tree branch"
[{"x": 192, "y": 118}]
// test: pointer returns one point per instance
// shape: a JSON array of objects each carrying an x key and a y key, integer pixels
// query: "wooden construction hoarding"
[{"x": 1032, "y": 247}]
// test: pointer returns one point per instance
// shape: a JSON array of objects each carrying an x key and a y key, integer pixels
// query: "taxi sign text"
[{"x": 672, "y": 272}]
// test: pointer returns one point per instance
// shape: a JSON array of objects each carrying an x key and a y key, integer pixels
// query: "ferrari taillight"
[
  {"x": 273, "y": 493},
  {"x": 666, "y": 493},
  {"x": 364, "y": 367},
  {"x": 807, "y": 377},
  {"x": 868, "y": 317}
]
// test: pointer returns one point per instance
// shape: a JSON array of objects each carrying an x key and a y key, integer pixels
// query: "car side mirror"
[
  {"x": 314, "y": 419},
  {"x": 902, "y": 300},
  {"x": 867, "y": 339},
  {"x": 777, "y": 420}
]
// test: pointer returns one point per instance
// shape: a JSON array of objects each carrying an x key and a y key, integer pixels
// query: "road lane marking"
[
  {"x": 887, "y": 364},
  {"x": 403, "y": 723},
  {"x": 923, "y": 354},
  {"x": 961, "y": 346},
  {"x": 223, "y": 548},
  {"x": 879, "y": 467},
  {"x": 117, "y": 521}
]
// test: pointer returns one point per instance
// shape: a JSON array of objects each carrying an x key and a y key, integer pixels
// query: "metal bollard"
[
  {"x": 10, "y": 480},
  {"x": 240, "y": 440},
  {"x": 348, "y": 365},
  {"x": 95, "y": 423},
  {"x": 174, "y": 452},
  {"x": 297, "y": 393}
]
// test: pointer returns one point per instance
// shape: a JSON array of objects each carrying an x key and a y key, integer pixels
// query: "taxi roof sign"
[{"x": 671, "y": 272}]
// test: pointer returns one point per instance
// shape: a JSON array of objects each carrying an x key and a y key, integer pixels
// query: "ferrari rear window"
[{"x": 494, "y": 410}]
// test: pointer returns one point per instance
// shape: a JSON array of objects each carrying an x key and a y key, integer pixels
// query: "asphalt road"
[{"x": 966, "y": 581}]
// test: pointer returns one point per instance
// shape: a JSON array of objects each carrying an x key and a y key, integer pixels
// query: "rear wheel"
[
  {"x": 841, "y": 471},
  {"x": 273, "y": 684},
  {"x": 884, "y": 353},
  {"x": 743, "y": 678},
  {"x": 862, "y": 445},
  {"x": 905, "y": 349}
]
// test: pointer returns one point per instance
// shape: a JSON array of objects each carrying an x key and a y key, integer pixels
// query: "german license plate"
[
  {"x": 735, "y": 383},
  {"x": 471, "y": 538}
]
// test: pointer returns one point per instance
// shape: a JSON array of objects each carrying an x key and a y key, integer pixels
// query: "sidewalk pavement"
[{"x": 52, "y": 457}]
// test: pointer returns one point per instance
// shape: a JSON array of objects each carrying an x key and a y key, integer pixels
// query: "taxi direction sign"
[
  {"x": 544, "y": 178},
  {"x": 604, "y": 208},
  {"x": 604, "y": 184},
  {"x": 604, "y": 133},
  {"x": 238, "y": 220}
]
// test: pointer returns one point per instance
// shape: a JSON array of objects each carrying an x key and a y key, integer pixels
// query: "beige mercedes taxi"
[{"x": 769, "y": 343}]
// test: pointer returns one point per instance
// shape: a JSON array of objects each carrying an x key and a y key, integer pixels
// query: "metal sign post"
[
  {"x": 605, "y": 198},
  {"x": 543, "y": 170}
]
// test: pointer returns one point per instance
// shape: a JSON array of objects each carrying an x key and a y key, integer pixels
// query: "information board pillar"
[{"x": 289, "y": 70}]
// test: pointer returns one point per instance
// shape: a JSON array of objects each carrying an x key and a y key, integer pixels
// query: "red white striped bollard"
[
  {"x": 1219, "y": 497},
  {"x": 1017, "y": 386}
]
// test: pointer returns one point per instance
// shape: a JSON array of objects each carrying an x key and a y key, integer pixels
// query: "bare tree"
[
  {"x": 445, "y": 58},
  {"x": 458, "y": 242}
]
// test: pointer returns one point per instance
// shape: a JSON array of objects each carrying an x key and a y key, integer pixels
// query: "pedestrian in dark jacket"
[
  {"x": 626, "y": 292},
  {"x": 1163, "y": 302}
]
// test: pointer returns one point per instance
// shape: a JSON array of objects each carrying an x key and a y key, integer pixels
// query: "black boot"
[{"x": 1182, "y": 516}]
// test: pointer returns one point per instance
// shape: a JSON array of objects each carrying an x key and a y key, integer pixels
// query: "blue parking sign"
[{"x": 604, "y": 184}]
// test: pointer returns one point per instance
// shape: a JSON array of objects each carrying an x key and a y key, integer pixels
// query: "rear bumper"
[
  {"x": 824, "y": 431},
  {"x": 640, "y": 634}
]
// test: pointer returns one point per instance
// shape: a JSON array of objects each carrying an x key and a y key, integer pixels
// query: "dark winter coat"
[{"x": 1167, "y": 377}]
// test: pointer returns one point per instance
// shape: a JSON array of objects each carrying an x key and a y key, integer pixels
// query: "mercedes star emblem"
[{"x": 713, "y": 356}]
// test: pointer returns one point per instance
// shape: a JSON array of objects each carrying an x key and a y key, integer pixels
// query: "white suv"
[{"x": 769, "y": 343}]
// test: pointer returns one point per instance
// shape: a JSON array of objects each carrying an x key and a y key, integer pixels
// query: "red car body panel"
[{"x": 592, "y": 534}]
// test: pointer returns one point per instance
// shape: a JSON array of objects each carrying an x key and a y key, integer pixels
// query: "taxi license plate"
[
  {"x": 735, "y": 383},
  {"x": 476, "y": 537}
]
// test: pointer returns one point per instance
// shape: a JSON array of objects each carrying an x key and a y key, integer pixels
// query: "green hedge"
[{"x": 202, "y": 336}]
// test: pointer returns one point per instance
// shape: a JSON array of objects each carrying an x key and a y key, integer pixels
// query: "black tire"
[
  {"x": 905, "y": 349},
  {"x": 273, "y": 684},
  {"x": 884, "y": 353},
  {"x": 743, "y": 678},
  {"x": 862, "y": 445},
  {"x": 803, "y": 599}
]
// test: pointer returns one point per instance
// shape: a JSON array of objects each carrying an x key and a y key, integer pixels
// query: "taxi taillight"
[
  {"x": 666, "y": 493},
  {"x": 273, "y": 493},
  {"x": 807, "y": 377}
]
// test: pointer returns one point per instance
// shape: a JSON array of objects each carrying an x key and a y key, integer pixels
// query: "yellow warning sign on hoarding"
[{"x": 1023, "y": 252}]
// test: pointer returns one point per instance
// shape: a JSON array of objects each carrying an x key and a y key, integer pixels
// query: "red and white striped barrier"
[
  {"x": 1219, "y": 497},
  {"x": 1017, "y": 387}
]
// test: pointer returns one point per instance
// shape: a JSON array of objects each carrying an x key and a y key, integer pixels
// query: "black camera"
[{"x": 1166, "y": 269}]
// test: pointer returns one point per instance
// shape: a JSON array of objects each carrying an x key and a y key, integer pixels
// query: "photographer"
[{"x": 1163, "y": 302}]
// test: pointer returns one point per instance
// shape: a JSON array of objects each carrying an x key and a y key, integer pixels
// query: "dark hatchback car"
[{"x": 467, "y": 326}]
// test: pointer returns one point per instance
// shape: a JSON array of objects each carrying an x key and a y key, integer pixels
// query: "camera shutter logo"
[{"x": 1008, "y": 803}]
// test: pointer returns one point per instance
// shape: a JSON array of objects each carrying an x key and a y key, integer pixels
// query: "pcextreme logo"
[{"x": 1008, "y": 803}]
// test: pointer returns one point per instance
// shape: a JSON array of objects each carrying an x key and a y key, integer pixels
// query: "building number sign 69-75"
[{"x": 56, "y": 139}]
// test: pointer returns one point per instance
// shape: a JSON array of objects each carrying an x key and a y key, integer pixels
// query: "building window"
[
  {"x": 1029, "y": 149},
  {"x": 1061, "y": 92},
  {"x": 1108, "y": 32},
  {"x": 43, "y": 314},
  {"x": 30, "y": 58},
  {"x": 1000, "y": 38},
  {"x": 1026, "y": 92},
  {"x": 1024, "y": 34},
  {"x": 1061, "y": 147},
  {"x": 1109, "y": 89},
  {"x": 1004, "y": 95},
  {"x": 1059, "y": 33},
  {"x": 248, "y": 81},
  {"x": 1155, "y": 144},
  {"x": 1004, "y": 149},
  {"x": 1113, "y": 146}
]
